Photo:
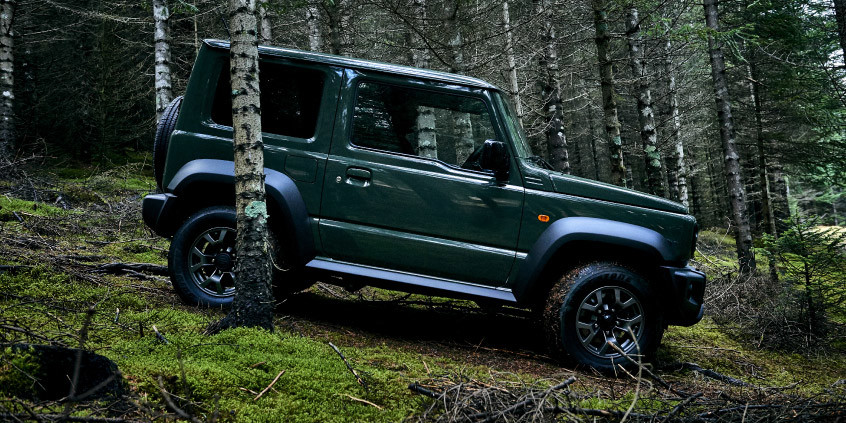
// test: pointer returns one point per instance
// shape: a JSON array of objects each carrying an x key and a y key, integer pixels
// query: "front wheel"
[{"x": 600, "y": 313}]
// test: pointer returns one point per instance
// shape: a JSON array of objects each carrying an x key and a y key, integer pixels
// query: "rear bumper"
[
  {"x": 158, "y": 211},
  {"x": 686, "y": 297}
]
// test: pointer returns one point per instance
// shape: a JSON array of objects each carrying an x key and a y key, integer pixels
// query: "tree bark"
[
  {"x": 265, "y": 24},
  {"x": 427, "y": 142},
  {"x": 676, "y": 168},
  {"x": 645, "y": 113},
  {"x": 514, "y": 86},
  {"x": 609, "y": 102},
  {"x": 463, "y": 126},
  {"x": 340, "y": 33},
  {"x": 164, "y": 88},
  {"x": 253, "y": 304},
  {"x": 7, "y": 80},
  {"x": 840, "y": 16},
  {"x": 315, "y": 36},
  {"x": 551, "y": 93},
  {"x": 734, "y": 184}
]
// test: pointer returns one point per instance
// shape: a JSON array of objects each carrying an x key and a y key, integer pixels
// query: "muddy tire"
[{"x": 599, "y": 304}]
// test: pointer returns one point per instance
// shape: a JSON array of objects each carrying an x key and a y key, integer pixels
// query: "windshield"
[{"x": 512, "y": 125}]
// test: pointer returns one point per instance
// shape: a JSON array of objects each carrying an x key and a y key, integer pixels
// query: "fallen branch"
[
  {"x": 159, "y": 336},
  {"x": 357, "y": 377},
  {"x": 179, "y": 412},
  {"x": 121, "y": 268},
  {"x": 361, "y": 400},
  {"x": 269, "y": 386},
  {"x": 717, "y": 376}
]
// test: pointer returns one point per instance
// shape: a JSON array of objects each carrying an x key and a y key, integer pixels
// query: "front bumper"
[
  {"x": 158, "y": 212},
  {"x": 686, "y": 297}
]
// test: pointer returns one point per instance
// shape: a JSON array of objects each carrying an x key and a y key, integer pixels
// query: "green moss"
[
  {"x": 8, "y": 205},
  {"x": 17, "y": 368}
]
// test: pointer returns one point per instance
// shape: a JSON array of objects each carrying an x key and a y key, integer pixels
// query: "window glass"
[
  {"x": 419, "y": 122},
  {"x": 290, "y": 99}
]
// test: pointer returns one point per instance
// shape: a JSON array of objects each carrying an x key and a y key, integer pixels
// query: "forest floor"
[{"x": 67, "y": 235}]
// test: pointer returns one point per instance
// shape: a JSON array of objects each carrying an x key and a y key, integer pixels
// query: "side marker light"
[{"x": 543, "y": 218}]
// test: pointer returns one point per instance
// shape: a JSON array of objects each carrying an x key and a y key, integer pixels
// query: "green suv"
[{"x": 419, "y": 181}]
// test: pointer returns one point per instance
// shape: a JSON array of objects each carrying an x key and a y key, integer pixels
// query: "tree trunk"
[
  {"x": 462, "y": 123},
  {"x": 253, "y": 304},
  {"x": 339, "y": 27},
  {"x": 742, "y": 231},
  {"x": 7, "y": 80},
  {"x": 427, "y": 142},
  {"x": 780, "y": 193},
  {"x": 315, "y": 37},
  {"x": 551, "y": 93},
  {"x": 840, "y": 16},
  {"x": 609, "y": 102},
  {"x": 164, "y": 90},
  {"x": 676, "y": 168},
  {"x": 264, "y": 23},
  {"x": 514, "y": 86},
  {"x": 645, "y": 114}
]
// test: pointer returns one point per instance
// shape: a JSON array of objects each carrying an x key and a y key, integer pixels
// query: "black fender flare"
[
  {"x": 591, "y": 230},
  {"x": 283, "y": 197}
]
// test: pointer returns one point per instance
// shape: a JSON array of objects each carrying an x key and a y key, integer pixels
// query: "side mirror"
[{"x": 495, "y": 157}]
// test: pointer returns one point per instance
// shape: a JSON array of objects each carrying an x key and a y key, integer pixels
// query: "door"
[{"x": 403, "y": 190}]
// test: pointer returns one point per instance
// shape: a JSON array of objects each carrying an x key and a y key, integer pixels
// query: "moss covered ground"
[{"x": 89, "y": 217}]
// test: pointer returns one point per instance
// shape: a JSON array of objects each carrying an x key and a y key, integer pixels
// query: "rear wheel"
[
  {"x": 600, "y": 313},
  {"x": 202, "y": 260}
]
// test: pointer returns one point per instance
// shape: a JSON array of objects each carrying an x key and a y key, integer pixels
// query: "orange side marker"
[{"x": 543, "y": 218}]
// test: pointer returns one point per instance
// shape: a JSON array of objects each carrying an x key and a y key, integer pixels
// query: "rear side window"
[
  {"x": 423, "y": 123},
  {"x": 290, "y": 99}
]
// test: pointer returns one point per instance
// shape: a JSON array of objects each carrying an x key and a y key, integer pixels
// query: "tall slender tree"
[
  {"x": 7, "y": 79},
  {"x": 609, "y": 102},
  {"x": 645, "y": 114},
  {"x": 550, "y": 84},
  {"x": 676, "y": 168},
  {"x": 513, "y": 83},
  {"x": 161, "y": 39},
  {"x": 253, "y": 304},
  {"x": 734, "y": 183},
  {"x": 315, "y": 35},
  {"x": 265, "y": 24}
]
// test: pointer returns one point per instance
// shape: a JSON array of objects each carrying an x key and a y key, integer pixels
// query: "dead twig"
[
  {"x": 357, "y": 377},
  {"x": 361, "y": 400},
  {"x": 269, "y": 386}
]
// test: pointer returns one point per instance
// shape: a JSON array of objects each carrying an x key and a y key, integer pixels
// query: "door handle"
[
  {"x": 359, "y": 173},
  {"x": 358, "y": 177}
]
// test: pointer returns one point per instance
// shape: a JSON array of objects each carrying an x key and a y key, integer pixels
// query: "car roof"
[{"x": 361, "y": 64}]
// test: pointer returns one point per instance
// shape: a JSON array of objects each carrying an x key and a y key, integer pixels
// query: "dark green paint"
[{"x": 407, "y": 213}]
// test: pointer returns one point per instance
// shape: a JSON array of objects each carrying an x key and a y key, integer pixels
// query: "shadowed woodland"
[{"x": 733, "y": 108}]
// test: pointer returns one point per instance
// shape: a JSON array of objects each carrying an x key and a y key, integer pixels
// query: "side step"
[{"x": 409, "y": 282}]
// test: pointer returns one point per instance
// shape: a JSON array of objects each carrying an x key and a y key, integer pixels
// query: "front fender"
[
  {"x": 286, "y": 206},
  {"x": 591, "y": 230}
]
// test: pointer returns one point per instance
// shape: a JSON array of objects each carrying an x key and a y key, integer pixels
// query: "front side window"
[
  {"x": 423, "y": 123},
  {"x": 290, "y": 99}
]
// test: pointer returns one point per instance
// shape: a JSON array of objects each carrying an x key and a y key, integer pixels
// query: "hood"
[{"x": 573, "y": 185}]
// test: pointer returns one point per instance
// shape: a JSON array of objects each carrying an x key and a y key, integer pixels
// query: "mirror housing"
[{"x": 495, "y": 157}]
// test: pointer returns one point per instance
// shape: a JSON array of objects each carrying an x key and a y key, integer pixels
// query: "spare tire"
[{"x": 163, "y": 130}]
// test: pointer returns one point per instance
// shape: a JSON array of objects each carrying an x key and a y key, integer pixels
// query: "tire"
[
  {"x": 211, "y": 283},
  {"x": 163, "y": 130},
  {"x": 596, "y": 301}
]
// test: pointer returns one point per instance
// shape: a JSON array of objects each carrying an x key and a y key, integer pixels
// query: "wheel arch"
[
  {"x": 573, "y": 241},
  {"x": 208, "y": 182}
]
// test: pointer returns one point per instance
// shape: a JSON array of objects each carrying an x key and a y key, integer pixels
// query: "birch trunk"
[
  {"x": 339, "y": 27},
  {"x": 265, "y": 25},
  {"x": 551, "y": 93},
  {"x": 464, "y": 145},
  {"x": 7, "y": 80},
  {"x": 427, "y": 141},
  {"x": 315, "y": 37},
  {"x": 677, "y": 170},
  {"x": 514, "y": 86},
  {"x": 645, "y": 113},
  {"x": 164, "y": 88},
  {"x": 734, "y": 183},
  {"x": 609, "y": 103},
  {"x": 253, "y": 303}
]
